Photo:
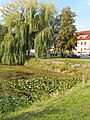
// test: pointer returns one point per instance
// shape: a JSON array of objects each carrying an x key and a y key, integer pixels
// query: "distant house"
[{"x": 83, "y": 41}]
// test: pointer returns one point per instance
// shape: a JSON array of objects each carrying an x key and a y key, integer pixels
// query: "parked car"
[
  {"x": 85, "y": 53},
  {"x": 75, "y": 55}
]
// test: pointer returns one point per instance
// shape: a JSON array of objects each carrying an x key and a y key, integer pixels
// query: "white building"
[{"x": 83, "y": 41}]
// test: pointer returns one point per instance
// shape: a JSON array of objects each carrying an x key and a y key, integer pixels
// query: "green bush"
[
  {"x": 62, "y": 67},
  {"x": 11, "y": 103}
]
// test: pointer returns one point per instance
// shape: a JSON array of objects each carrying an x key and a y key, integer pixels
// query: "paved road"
[
  {"x": 85, "y": 57},
  {"x": 82, "y": 57}
]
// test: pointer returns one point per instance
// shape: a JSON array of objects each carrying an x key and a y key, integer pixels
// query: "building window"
[
  {"x": 84, "y": 43},
  {"x": 81, "y": 49},
  {"x": 81, "y": 43},
  {"x": 84, "y": 48}
]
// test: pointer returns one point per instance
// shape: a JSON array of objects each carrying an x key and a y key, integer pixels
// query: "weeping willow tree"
[
  {"x": 44, "y": 36},
  {"x": 7, "y": 51},
  {"x": 27, "y": 23},
  {"x": 7, "y": 46},
  {"x": 43, "y": 42}
]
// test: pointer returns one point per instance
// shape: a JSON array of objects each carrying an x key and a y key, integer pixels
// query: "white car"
[{"x": 85, "y": 53}]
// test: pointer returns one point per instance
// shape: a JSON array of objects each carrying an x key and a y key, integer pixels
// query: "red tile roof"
[
  {"x": 83, "y": 35},
  {"x": 84, "y": 32}
]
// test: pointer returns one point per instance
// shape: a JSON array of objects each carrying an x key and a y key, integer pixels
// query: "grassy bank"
[
  {"x": 74, "y": 104},
  {"x": 30, "y": 91}
]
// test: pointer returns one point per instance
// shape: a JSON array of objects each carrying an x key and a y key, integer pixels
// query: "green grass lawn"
[
  {"x": 64, "y": 90},
  {"x": 74, "y": 104}
]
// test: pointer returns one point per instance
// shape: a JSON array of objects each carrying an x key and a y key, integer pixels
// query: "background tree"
[
  {"x": 66, "y": 39},
  {"x": 56, "y": 28}
]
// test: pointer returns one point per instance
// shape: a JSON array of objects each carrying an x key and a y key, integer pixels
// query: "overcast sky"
[{"x": 81, "y": 7}]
